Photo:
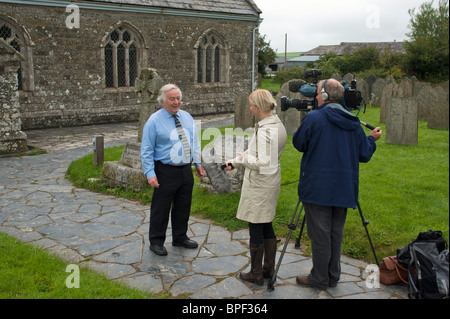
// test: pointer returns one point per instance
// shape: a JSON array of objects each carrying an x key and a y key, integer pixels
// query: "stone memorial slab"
[{"x": 402, "y": 123}]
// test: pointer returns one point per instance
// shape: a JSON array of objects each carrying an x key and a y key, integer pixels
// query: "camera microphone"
[
  {"x": 370, "y": 127},
  {"x": 295, "y": 85}
]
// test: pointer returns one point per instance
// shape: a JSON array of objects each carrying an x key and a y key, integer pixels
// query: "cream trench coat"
[{"x": 262, "y": 177}]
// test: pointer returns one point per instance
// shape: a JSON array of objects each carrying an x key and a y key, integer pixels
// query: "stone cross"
[{"x": 147, "y": 86}]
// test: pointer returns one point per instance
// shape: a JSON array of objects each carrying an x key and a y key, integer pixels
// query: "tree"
[
  {"x": 427, "y": 54},
  {"x": 266, "y": 55}
]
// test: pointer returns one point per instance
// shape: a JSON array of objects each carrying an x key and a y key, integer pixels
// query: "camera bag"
[{"x": 427, "y": 258}]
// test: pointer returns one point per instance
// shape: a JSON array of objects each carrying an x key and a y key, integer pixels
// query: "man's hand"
[
  {"x": 376, "y": 133},
  {"x": 153, "y": 181},
  {"x": 200, "y": 172}
]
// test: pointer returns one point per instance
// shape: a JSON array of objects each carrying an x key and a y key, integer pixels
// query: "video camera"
[{"x": 352, "y": 97}]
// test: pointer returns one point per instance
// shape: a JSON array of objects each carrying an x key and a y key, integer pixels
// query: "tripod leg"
[
  {"x": 297, "y": 241},
  {"x": 365, "y": 223},
  {"x": 292, "y": 227}
]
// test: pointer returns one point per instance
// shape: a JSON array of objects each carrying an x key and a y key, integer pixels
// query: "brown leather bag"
[{"x": 392, "y": 272}]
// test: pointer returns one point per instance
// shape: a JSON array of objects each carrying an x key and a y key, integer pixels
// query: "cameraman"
[{"x": 333, "y": 144}]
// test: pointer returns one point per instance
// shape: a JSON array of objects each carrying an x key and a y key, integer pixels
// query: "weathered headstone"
[
  {"x": 336, "y": 76},
  {"x": 427, "y": 100},
  {"x": 12, "y": 139},
  {"x": 224, "y": 148},
  {"x": 363, "y": 87},
  {"x": 389, "y": 79},
  {"x": 127, "y": 172},
  {"x": 377, "y": 91},
  {"x": 402, "y": 124},
  {"x": 403, "y": 89},
  {"x": 243, "y": 117},
  {"x": 439, "y": 112},
  {"x": 370, "y": 81},
  {"x": 348, "y": 78},
  {"x": 386, "y": 95}
]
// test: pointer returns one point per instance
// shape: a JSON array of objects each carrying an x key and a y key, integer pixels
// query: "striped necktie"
[{"x": 184, "y": 141}]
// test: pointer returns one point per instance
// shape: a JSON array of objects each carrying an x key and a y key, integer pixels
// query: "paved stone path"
[{"x": 110, "y": 235}]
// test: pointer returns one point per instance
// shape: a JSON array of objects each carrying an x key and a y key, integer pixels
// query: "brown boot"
[
  {"x": 256, "y": 274},
  {"x": 270, "y": 250}
]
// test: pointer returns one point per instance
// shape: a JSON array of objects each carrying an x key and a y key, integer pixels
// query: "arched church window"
[
  {"x": 211, "y": 59},
  {"x": 121, "y": 52},
  {"x": 13, "y": 35}
]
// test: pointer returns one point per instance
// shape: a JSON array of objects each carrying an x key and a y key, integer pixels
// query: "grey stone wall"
[
  {"x": 12, "y": 139},
  {"x": 69, "y": 83}
]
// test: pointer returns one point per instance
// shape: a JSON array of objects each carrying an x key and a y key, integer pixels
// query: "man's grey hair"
[
  {"x": 166, "y": 88},
  {"x": 335, "y": 90}
]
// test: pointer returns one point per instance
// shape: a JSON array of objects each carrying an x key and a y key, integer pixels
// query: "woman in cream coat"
[{"x": 261, "y": 185}]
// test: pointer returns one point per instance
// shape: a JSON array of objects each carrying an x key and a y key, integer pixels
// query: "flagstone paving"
[{"x": 110, "y": 235}]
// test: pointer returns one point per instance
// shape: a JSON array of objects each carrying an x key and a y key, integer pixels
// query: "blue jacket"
[{"x": 333, "y": 143}]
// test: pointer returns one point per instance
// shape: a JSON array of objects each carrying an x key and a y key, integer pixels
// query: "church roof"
[{"x": 245, "y": 7}]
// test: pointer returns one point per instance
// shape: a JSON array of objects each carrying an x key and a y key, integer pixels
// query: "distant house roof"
[
  {"x": 344, "y": 47},
  {"x": 305, "y": 58},
  {"x": 245, "y": 7}
]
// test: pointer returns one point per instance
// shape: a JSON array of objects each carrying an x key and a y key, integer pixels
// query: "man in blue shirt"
[
  {"x": 170, "y": 144},
  {"x": 333, "y": 144}
]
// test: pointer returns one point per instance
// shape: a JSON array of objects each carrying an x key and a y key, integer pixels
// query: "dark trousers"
[
  {"x": 259, "y": 232},
  {"x": 325, "y": 227},
  {"x": 175, "y": 191}
]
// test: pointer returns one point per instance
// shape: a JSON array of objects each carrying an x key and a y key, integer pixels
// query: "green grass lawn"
[{"x": 27, "y": 272}]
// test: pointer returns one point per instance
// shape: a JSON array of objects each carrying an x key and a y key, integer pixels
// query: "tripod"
[{"x": 293, "y": 226}]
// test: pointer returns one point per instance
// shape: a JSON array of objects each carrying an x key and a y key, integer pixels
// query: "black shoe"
[
  {"x": 187, "y": 243},
  {"x": 160, "y": 250}
]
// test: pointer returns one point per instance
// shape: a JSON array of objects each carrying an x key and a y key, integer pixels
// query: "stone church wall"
[{"x": 68, "y": 64}]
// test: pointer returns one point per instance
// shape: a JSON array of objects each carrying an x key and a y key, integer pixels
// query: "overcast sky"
[{"x": 328, "y": 22}]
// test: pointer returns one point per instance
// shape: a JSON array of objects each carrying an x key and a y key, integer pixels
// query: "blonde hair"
[{"x": 263, "y": 100}]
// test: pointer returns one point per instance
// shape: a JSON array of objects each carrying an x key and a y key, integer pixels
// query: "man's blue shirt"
[{"x": 161, "y": 142}]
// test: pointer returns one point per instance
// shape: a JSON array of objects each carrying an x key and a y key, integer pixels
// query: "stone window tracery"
[
  {"x": 13, "y": 35},
  {"x": 211, "y": 59},
  {"x": 121, "y": 58}
]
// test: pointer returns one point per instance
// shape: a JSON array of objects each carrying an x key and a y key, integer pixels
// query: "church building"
[{"x": 78, "y": 60}]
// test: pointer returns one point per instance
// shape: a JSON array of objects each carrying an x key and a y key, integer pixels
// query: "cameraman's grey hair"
[
  {"x": 166, "y": 88},
  {"x": 335, "y": 90}
]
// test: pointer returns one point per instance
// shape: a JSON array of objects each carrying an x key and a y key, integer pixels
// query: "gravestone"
[
  {"x": 243, "y": 117},
  {"x": 370, "y": 81},
  {"x": 336, "y": 76},
  {"x": 386, "y": 95},
  {"x": 12, "y": 139},
  {"x": 403, "y": 90},
  {"x": 348, "y": 78},
  {"x": 389, "y": 79},
  {"x": 224, "y": 148},
  {"x": 439, "y": 111},
  {"x": 128, "y": 171},
  {"x": 402, "y": 124},
  {"x": 427, "y": 100},
  {"x": 363, "y": 87},
  {"x": 377, "y": 91}
]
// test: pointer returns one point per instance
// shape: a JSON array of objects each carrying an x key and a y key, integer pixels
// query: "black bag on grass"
[{"x": 428, "y": 266}]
